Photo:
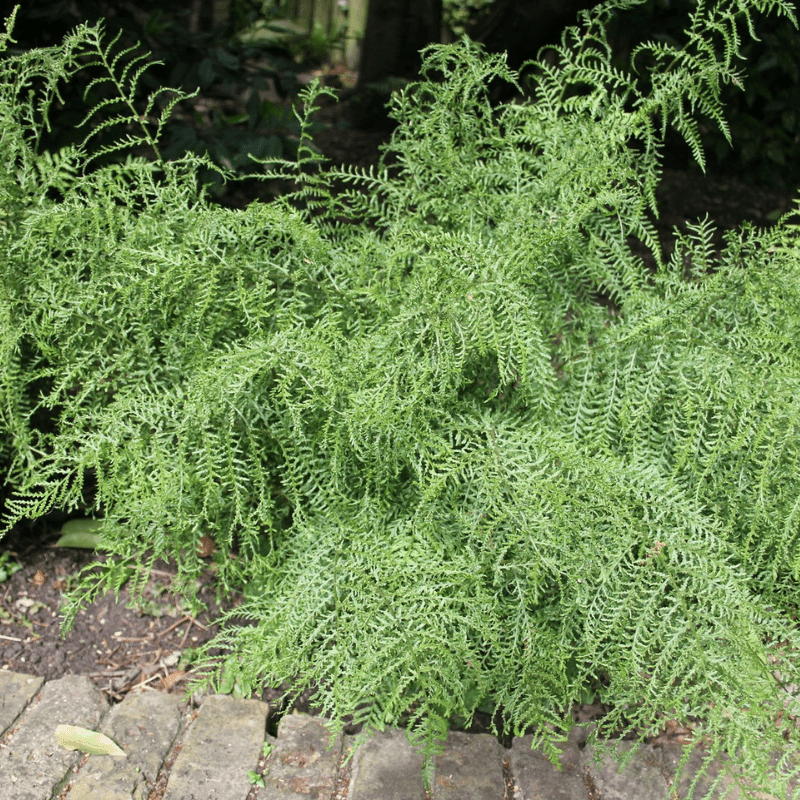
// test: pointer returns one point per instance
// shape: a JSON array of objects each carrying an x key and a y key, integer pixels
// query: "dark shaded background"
[{"x": 765, "y": 118}]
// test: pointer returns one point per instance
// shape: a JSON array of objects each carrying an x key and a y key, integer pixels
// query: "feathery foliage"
[{"x": 456, "y": 443}]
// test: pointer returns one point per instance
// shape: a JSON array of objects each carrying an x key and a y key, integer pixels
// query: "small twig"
[
  {"x": 192, "y": 621},
  {"x": 149, "y": 680},
  {"x": 185, "y": 635},
  {"x": 116, "y": 674},
  {"x": 11, "y": 638},
  {"x": 175, "y": 625},
  {"x": 145, "y": 653}
]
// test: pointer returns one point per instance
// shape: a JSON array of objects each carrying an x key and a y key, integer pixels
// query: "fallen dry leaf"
[
  {"x": 170, "y": 680},
  {"x": 73, "y": 737},
  {"x": 205, "y": 547}
]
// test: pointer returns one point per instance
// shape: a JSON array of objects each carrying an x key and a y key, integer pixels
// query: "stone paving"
[{"x": 173, "y": 752}]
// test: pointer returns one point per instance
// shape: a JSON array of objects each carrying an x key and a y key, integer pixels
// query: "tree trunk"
[
  {"x": 396, "y": 31},
  {"x": 521, "y": 27}
]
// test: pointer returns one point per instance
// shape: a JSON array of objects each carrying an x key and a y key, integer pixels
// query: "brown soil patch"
[{"x": 118, "y": 643}]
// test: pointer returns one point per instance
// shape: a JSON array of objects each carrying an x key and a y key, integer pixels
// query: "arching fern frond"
[{"x": 121, "y": 70}]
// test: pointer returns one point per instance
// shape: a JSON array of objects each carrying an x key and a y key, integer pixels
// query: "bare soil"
[{"x": 118, "y": 643}]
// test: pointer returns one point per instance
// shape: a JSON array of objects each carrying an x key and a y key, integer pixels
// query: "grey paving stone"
[
  {"x": 727, "y": 786},
  {"x": 16, "y": 691},
  {"x": 144, "y": 725},
  {"x": 302, "y": 764},
  {"x": 671, "y": 755},
  {"x": 470, "y": 768},
  {"x": 32, "y": 765},
  {"x": 386, "y": 767},
  {"x": 641, "y": 777},
  {"x": 537, "y": 778},
  {"x": 222, "y": 744}
]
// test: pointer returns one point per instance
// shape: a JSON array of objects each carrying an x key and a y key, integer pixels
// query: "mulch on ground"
[{"x": 118, "y": 643}]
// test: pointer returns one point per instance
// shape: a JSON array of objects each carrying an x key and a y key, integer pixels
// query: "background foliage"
[
  {"x": 761, "y": 108},
  {"x": 458, "y": 445},
  {"x": 244, "y": 69},
  {"x": 237, "y": 84},
  {"x": 461, "y": 15}
]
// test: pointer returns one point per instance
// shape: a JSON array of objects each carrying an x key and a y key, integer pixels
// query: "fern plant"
[{"x": 455, "y": 443}]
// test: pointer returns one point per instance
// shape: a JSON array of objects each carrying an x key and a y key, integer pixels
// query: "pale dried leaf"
[{"x": 73, "y": 737}]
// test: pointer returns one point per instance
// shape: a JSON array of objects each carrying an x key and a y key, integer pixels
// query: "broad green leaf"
[
  {"x": 83, "y": 533},
  {"x": 255, "y": 779},
  {"x": 85, "y": 541},
  {"x": 82, "y": 525},
  {"x": 73, "y": 737}
]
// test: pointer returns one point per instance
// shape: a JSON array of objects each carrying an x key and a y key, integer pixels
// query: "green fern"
[{"x": 455, "y": 442}]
